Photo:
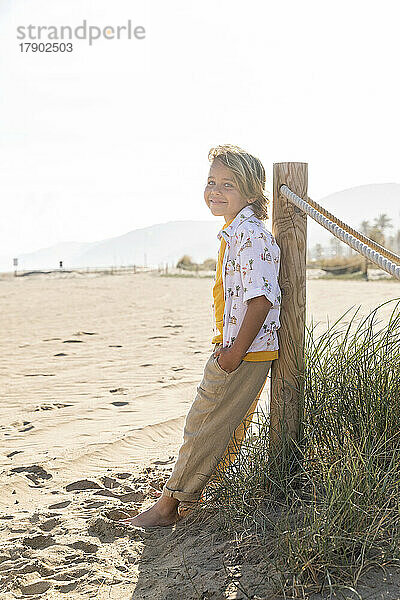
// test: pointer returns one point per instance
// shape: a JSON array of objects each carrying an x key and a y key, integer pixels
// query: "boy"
[{"x": 246, "y": 307}]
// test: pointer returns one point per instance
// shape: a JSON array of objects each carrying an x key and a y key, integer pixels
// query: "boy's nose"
[{"x": 216, "y": 190}]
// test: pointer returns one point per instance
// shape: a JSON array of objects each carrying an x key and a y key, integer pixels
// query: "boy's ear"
[{"x": 251, "y": 200}]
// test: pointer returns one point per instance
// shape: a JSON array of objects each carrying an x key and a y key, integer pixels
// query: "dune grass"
[{"x": 322, "y": 513}]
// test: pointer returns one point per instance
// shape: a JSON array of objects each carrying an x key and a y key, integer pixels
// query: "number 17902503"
[{"x": 46, "y": 47}]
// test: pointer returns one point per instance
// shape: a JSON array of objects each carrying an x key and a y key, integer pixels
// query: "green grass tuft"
[{"x": 326, "y": 513}]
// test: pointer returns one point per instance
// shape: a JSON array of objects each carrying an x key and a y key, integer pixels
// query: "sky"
[{"x": 114, "y": 136}]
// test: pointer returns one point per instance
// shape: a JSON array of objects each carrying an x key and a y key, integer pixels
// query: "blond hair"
[{"x": 248, "y": 172}]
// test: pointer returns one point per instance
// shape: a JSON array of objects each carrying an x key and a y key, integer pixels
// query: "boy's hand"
[{"x": 228, "y": 359}]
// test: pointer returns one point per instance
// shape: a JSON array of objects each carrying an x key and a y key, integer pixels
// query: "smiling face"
[{"x": 222, "y": 194}]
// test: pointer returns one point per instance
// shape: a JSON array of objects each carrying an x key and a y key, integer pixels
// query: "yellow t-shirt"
[{"x": 219, "y": 307}]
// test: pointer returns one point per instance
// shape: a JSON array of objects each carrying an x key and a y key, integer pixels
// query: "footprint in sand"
[
  {"x": 35, "y": 588},
  {"x": 34, "y": 473},
  {"x": 131, "y": 497},
  {"x": 85, "y": 333},
  {"x": 146, "y": 365},
  {"x": 61, "y": 354},
  {"x": 114, "y": 346},
  {"x": 110, "y": 482},
  {"x": 51, "y": 406},
  {"x": 108, "y": 526},
  {"x": 163, "y": 462},
  {"x": 70, "y": 574},
  {"x": 94, "y": 503},
  {"x": 123, "y": 475},
  {"x": 14, "y": 453},
  {"x": 50, "y": 524},
  {"x": 119, "y": 403},
  {"x": 173, "y": 326},
  {"x": 116, "y": 514},
  {"x": 25, "y": 426},
  {"x": 58, "y": 505},
  {"x": 73, "y": 342},
  {"x": 119, "y": 390},
  {"x": 81, "y": 485},
  {"x": 105, "y": 492},
  {"x": 87, "y": 547},
  {"x": 27, "y": 577},
  {"x": 38, "y": 541}
]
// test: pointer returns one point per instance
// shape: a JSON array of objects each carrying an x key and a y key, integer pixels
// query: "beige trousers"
[{"x": 222, "y": 401}]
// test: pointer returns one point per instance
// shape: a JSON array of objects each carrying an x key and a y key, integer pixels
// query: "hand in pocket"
[{"x": 227, "y": 359}]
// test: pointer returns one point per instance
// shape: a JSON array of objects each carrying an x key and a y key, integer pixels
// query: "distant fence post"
[{"x": 289, "y": 227}]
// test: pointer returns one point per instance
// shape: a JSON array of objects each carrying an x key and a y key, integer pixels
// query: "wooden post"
[{"x": 289, "y": 227}]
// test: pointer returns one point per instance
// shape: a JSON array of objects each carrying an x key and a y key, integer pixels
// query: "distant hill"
[
  {"x": 167, "y": 242},
  {"x": 154, "y": 245}
]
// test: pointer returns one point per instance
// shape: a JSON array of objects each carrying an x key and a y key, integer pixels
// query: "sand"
[{"x": 96, "y": 377}]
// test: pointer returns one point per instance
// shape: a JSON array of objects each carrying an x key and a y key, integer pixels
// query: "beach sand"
[{"x": 97, "y": 375}]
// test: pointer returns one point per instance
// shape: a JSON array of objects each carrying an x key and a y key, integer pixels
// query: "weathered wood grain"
[{"x": 289, "y": 226}]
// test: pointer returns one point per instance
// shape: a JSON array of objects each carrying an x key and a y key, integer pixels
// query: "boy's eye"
[{"x": 229, "y": 185}]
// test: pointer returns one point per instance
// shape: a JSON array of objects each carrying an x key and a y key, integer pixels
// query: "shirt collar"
[{"x": 230, "y": 230}]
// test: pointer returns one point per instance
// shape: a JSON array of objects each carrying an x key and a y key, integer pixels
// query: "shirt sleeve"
[{"x": 259, "y": 268}]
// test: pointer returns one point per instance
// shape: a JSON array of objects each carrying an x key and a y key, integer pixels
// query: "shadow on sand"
[{"x": 194, "y": 559}]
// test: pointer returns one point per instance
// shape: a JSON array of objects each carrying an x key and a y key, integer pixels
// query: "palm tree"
[{"x": 383, "y": 221}]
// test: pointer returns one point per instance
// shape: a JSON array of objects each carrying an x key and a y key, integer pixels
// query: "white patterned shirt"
[{"x": 250, "y": 268}]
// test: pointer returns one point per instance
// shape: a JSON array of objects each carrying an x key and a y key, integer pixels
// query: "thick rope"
[
  {"x": 349, "y": 239},
  {"x": 374, "y": 245}
]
